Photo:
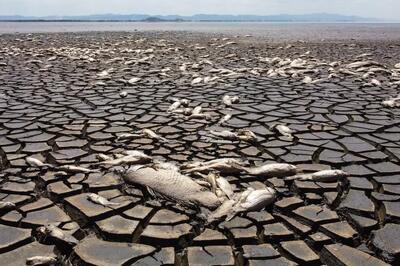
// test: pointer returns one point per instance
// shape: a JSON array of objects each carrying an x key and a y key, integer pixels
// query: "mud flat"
[{"x": 67, "y": 97}]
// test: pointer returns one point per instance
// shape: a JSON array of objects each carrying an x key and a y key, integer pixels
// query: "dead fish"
[
  {"x": 283, "y": 130},
  {"x": 223, "y": 166},
  {"x": 397, "y": 65},
  {"x": 229, "y": 100},
  {"x": 103, "y": 73},
  {"x": 196, "y": 81},
  {"x": 174, "y": 106},
  {"x": 272, "y": 170},
  {"x": 53, "y": 231},
  {"x": 41, "y": 260},
  {"x": 128, "y": 157},
  {"x": 184, "y": 111},
  {"x": 200, "y": 116},
  {"x": 172, "y": 185},
  {"x": 225, "y": 134},
  {"x": 123, "y": 94},
  {"x": 151, "y": 134},
  {"x": 197, "y": 110},
  {"x": 307, "y": 80},
  {"x": 103, "y": 157},
  {"x": 225, "y": 186},
  {"x": 100, "y": 200},
  {"x": 132, "y": 81},
  {"x": 75, "y": 169},
  {"x": 320, "y": 176},
  {"x": 36, "y": 162},
  {"x": 253, "y": 200},
  {"x": 376, "y": 82},
  {"x": 359, "y": 64},
  {"x": 7, "y": 205},
  {"x": 247, "y": 135},
  {"x": 392, "y": 102},
  {"x": 224, "y": 119}
]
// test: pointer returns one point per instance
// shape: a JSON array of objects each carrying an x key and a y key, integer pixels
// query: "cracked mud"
[{"x": 66, "y": 98}]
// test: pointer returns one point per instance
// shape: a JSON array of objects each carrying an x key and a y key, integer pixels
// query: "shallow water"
[{"x": 274, "y": 31}]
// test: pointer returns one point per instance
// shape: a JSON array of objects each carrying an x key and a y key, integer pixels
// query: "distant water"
[{"x": 273, "y": 31}]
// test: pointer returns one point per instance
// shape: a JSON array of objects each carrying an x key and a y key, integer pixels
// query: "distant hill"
[{"x": 320, "y": 17}]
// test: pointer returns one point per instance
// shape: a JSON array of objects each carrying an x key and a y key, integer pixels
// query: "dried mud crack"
[{"x": 66, "y": 98}]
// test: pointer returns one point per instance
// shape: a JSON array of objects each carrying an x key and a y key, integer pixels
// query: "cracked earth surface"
[{"x": 56, "y": 107}]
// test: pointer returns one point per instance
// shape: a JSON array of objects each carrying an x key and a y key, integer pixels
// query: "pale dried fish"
[
  {"x": 133, "y": 81},
  {"x": 224, "y": 166},
  {"x": 272, "y": 170},
  {"x": 75, "y": 169},
  {"x": 36, "y": 162},
  {"x": 151, "y": 134},
  {"x": 320, "y": 176},
  {"x": 225, "y": 186},
  {"x": 224, "y": 119},
  {"x": 53, "y": 231},
  {"x": 41, "y": 260},
  {"x": 172, "y": 185},
  {"x": 229, "y": 100},
  {"x": 283, "y": 130},
  {"x": 101, "y": 200}
]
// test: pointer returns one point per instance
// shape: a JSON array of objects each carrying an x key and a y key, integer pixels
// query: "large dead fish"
[
  {"x": 320, "y": 176},
  {"x": 223, "y": 166},
  {"x": 272, "y": 170},
  {"x": 171, "y": 185}
]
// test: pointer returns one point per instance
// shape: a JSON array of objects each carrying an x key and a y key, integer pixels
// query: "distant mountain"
[{"x": 320, "y": 17}]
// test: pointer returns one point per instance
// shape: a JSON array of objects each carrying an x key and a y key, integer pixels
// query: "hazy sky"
[{"x": 371, "y": 8}]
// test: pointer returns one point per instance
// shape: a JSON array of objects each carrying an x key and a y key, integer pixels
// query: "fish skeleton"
[
  {"x": 100, "y": 200},
  {"x": 320, "y": 176},
  {"x": 272, "y": 170},
  {"x": 172, "y": 185}
]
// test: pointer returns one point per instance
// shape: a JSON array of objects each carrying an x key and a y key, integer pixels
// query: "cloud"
[{"x": 369, "y": 8}]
